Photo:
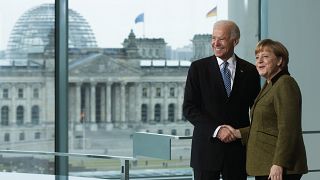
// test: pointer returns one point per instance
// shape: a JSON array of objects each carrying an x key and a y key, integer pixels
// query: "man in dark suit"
[{"x": 210, "y": 101}]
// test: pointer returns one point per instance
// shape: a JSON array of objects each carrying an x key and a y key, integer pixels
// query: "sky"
[{"x": 111, "y": 20}]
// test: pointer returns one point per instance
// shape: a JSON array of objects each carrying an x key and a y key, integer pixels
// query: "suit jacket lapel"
[
  {"x": 238, "y": 78},
  {"x": 265, "y": 89}
]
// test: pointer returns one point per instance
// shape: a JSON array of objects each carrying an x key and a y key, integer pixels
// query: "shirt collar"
[
  {"x": 231, "y": 61},
  {"x": 278, "y": 75}
]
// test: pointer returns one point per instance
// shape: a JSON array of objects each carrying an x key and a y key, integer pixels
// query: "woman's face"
[{"x": 267, "y": 63}]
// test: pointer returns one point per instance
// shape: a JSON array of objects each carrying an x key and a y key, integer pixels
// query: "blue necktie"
[{"x": 226, "y": 75}]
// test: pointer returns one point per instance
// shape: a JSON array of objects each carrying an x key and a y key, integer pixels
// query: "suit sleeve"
[
  {"x": 287, "y": 104},
  {"x": 192, "y": 104}
]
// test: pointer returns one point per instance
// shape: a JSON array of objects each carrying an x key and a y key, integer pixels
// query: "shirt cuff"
[{"x": 216, "y": 131}]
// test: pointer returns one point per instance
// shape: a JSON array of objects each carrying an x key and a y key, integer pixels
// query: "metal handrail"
[
  {"x": 67, "y": 154},
  {"x": 166, "y": 135}
]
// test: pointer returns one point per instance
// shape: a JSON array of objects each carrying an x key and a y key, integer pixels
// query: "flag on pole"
[
  {"x": 212, "y": 12},
  {"x": 139, "y": 18}
]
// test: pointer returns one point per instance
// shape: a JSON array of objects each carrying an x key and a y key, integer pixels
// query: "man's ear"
[{"x": 235, "y": 42}]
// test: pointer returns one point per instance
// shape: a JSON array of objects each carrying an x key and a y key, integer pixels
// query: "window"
[
  {"x": 5, "y": 93},
  {"x": 22, "y": 136},
  {"x": 160, "y": 131},
  {"x": 172, "y": 92},
  {"x": 20, "y": 115},
  {"x": 20, "y": 93},
  {"x": 157, "y": 113},
  {"x": 187, "y": 132},
  {"x": 37, "y": 135},
  {"x": 35, "y": 115},
  {"x": 36, "y": 93},
  {"x": 158, "y": 92},
  {"x": 144, "y": 113},
  {"x": 5, "y": 116},
  {"x": 6, "y": 137},
  {"x": 171, "y": 110},
  {"x": 144, "y": 92},
  {"x": 149, "y": 69},
  {"x": 173, "y": 132}
]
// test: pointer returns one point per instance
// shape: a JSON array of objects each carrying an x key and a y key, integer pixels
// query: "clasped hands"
[{"x": 228, "y": 134}]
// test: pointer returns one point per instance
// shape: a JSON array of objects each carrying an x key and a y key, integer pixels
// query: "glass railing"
[
  {"x": 80, "y": 165},
  {"x": 17, "y": 176},
  {"x": 155, "y": 156}
]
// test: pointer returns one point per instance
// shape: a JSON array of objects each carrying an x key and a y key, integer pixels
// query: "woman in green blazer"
[{"x": 275, "y": 147}]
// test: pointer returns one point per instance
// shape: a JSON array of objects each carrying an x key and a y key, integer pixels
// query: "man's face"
[{"x": 222, "y": 43}]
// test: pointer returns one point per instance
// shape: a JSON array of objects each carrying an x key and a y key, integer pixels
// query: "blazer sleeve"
[
  {"x": 287, "y": 104},
  {"x": 193, "y": 101},
  {"x": 244, "y": 134}
]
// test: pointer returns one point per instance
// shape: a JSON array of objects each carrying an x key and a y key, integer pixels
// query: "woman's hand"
[
  {"x": 276, "y": 172},
  {"x": 235, "y": 132}
]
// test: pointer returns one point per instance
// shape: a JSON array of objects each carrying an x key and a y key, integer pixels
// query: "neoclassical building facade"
[
  {"x": 130, "y": 87},
  {"x": 108, "y": 88},
  {"x": 122, "y": 92}
]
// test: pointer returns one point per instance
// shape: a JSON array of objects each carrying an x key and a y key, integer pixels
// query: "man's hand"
[
  {"x": 235, "y": 132},
  {"x": 225, "y": 135},
  {"x": 276, "y": 172}
]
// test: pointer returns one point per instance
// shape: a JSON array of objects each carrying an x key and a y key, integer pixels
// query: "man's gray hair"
[{"x": 234, "y": 29}]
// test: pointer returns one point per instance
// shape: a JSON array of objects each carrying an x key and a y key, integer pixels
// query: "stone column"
[
  {"x": 78, "y": 103},
  {"x": 103, "y": 104},
  {"x": 87, "y": 104},
  {"x": 92, "y": 104},
  {"x": 43, "y": 108},
  {"x": 179, "y": 100},
  {"x": 151, "y": 104},
  {"x": 165, "y": 103},
  {"x": 123, "y": 102},
  {"x": 13, "y": 107},
  {"x": 108, "y": 106},
  {"x": 108, "y": 102},
  {"x": 27, "y": 95},
  {"x": 138, "y": 102}
]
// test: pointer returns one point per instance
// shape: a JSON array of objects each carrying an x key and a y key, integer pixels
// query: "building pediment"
[{"x": 99, "y": 64}]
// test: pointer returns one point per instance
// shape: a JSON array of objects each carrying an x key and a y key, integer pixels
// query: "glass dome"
[{"x": 34, "y": 32}]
